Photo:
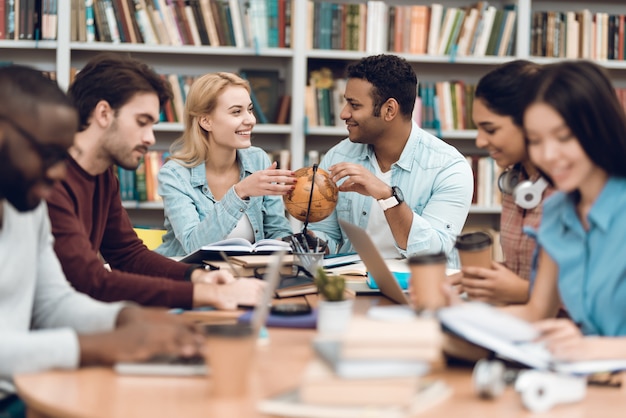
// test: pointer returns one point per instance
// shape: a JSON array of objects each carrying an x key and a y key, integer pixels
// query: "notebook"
[
  {"x": 164, "y": 365},
  {"x": 380, "y": 273}
]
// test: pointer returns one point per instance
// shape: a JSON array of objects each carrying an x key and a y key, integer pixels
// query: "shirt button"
[
  {"x": 240, "y": 210},
  {"x": 205, "y": 189},
  {"x": 256, "y": 231},
  {"x": 363, "y": 213}
]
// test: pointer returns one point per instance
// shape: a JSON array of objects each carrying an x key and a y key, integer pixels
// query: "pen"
[{"x": 230, "y": 265}]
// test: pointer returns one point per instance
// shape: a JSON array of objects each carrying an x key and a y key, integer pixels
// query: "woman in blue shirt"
[
  {"x": 576, "y": 132},
  {"x": 215, "y": 184}
]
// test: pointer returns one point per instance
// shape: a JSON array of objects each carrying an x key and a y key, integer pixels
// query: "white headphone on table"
[{"x": 526, "y": 194}]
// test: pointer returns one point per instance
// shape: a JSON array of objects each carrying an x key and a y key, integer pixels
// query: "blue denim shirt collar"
[
  {"x": 198, "y": 176},
  {"x": 407, "y": 158},
  {"x": 602, "y": 212}
]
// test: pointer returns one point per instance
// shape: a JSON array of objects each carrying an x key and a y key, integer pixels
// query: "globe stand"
[
  {"x": 302, "y": 242},
  {"x": 308, "y": 208}
]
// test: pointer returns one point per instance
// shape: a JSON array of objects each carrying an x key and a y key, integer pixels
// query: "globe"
[{"x": 323, "y": 200}]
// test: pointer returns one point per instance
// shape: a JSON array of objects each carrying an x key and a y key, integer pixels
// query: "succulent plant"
[{"x": 331, "y": 287}]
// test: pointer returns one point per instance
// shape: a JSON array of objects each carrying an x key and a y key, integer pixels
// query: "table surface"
[{"x": 279, "y": 364}]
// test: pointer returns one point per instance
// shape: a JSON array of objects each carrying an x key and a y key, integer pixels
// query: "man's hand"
[
  {"x": 359, "y": 179},
  {"x": 270, "y": 181},
  {"x": 496, "y": 285},
  {"x": 213, "y": 277},
  {"x": 242, "y": 292},
  {"x": 139, "y": 335}
]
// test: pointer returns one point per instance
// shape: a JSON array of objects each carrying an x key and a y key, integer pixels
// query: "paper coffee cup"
[
  {"x": 475, "y": 249},
  {"x": 229, "y": 351},
  {"x": 428, "y": 274}
]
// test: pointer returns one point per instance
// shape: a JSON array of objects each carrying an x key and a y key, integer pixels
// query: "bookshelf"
[{"x": 294, "y": 65}]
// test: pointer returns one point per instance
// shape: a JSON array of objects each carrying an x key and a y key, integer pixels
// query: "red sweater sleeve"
[{"x": 89, "y": 223}]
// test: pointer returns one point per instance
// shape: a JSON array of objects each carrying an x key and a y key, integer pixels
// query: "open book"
[
  {"x": 236, "y": 246},
  {"x": 513, "y": 338}
]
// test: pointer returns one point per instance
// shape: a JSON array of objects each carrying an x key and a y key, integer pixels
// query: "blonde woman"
[{"x": 215, "y": 184}]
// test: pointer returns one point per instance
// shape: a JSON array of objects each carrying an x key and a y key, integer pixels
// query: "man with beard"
[
  {"x": 409, "y": 189},
  {"x": 118, "y": 101},
  {"x": 44, "y": 323}
]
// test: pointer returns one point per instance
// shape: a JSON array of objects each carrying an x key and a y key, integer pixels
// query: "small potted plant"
[{"x": 334, "y": 309}]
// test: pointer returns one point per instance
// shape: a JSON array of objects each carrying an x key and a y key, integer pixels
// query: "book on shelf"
[
  {"x": 265, "y": 85},
  {"x": 284, "y": 107},
  {"x": 514, "y": 339},
  {"x": 236, "y": 246},
  {"x": 428, "y": 394}
]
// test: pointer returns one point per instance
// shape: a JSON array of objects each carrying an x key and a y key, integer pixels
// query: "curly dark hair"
[{"x": 392, "y": 77}]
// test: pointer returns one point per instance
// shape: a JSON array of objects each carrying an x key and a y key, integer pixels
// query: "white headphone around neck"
[{"x": 526, "y": 194}]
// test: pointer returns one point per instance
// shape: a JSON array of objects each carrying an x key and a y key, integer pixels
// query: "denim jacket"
[
  {"x": 193, "y": 217},
  {"x": 436, "y": 182}
]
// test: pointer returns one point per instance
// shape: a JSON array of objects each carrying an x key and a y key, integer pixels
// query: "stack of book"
[{"x": 376, "y": 367}]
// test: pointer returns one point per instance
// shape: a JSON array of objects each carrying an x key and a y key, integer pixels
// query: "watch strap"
[{"x": 388, "y": 203}]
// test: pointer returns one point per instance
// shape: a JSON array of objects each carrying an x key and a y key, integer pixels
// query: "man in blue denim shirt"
[{"x": 409, "y": 189}]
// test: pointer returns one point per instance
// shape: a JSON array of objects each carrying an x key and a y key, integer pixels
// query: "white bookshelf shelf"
[{"x": 294, "y": 65}]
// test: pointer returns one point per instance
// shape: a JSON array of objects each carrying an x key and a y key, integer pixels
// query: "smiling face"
[
  {"x": 499, "y": 135},
  {"x": 555, "y": 150},
  {"x": 231, "y": 122},
  {"x": 358, "y": 113},
  {"x": 32, "y": 154},
  {"x": 130, "y": 134}
]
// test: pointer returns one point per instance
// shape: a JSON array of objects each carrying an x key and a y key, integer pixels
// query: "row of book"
[
  {"x": 269, "y": 105},
  {"x": 323, "y": 98},
  {"x": 580, "y": 34},
  {"x": 443, "y": 105},
  {"x": 486, "y": 173},
  {"x": 140, "y": 185},
  {"x": 376, "y": 27},
  {"x": 238, "y": 23},
  {"x": 28, "y": 20}
]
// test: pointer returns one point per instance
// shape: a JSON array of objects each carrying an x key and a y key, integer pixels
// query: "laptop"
[
  {"x": 375, "y": 263},
  {"x": 168, "y": 365}
]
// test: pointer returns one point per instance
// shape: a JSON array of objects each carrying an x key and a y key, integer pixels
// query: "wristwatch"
[{"x": 396, "y": 198}]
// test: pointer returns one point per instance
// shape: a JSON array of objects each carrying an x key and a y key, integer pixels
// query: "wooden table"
[{"x": 100, "y": 392}]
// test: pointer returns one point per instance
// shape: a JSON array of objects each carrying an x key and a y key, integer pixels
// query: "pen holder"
[{"x": 309, "y": 262}]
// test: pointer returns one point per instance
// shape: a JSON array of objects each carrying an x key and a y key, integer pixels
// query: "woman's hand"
[
  {"x": 565, "y": 341},
  {"x": 496, "y": 285},
  {"x": 270, "y": 181}
]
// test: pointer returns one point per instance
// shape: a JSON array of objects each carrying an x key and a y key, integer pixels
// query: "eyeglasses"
[{"x": 50, "y": 154}]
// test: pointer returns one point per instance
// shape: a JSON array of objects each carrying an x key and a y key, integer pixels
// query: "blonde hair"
[{"x": 192, "y": 148}]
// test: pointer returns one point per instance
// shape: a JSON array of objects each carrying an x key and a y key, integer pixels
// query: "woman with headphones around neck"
[{"x": 498, "y": 115}]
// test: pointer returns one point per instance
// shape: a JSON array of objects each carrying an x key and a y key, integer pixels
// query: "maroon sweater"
[{"x": 88, "y": 220}]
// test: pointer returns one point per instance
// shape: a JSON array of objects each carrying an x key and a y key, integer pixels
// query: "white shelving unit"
[{"x": 293, "y": 65}]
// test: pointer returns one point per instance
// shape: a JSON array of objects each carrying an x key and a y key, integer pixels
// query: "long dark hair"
[
  {"x": 582, "y": 94},
  {"x": 502, "y": 89}
]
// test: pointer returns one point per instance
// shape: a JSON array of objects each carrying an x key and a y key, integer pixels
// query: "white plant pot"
[{"x": 333, "y": 317}]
